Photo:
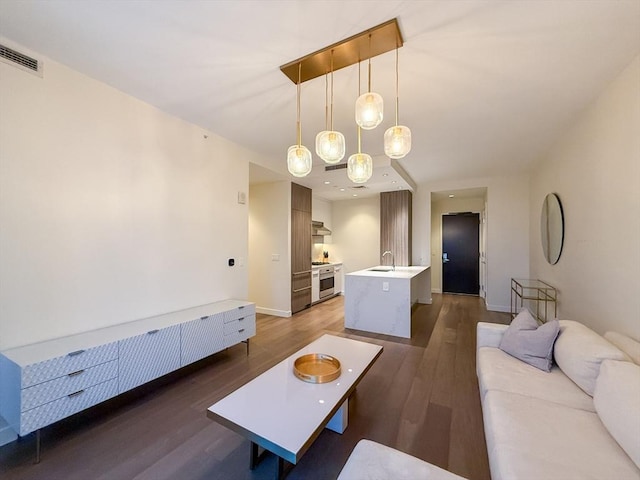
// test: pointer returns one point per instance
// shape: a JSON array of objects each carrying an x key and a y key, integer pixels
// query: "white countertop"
[
  {"x": 399, "y": 272},
  {"x": 326, "y": 265}
]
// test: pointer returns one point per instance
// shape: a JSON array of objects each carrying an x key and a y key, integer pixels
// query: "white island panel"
[{"x": 380, "y": 301}]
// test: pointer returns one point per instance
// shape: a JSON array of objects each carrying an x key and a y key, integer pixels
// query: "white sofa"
[
  {"x": 579, "y": 421},
  {"x": 374, "y": 461}
]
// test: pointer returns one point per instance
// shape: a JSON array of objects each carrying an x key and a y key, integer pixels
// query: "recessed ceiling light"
[
  {"x": 385, "y": 174},
  {"x": 355, "y": 194},
  {"x": 393, "y": 181},
  {"x": 451, "y": 196},
  {"x": 342, "y": 189},
  {"x": 327, "y": 182}
]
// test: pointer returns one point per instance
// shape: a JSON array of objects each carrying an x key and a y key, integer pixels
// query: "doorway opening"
[{"x": 472, "y": 278}]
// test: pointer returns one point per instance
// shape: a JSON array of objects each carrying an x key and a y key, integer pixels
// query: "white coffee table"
[{"x": 283, "y": 414}]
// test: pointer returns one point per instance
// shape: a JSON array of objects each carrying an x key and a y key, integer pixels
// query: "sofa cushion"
[
  {"x": 579, "y": 351},
  {"x": 627, "y": 344},
  {"x": 617, "y": 401},
  {"x": 499, "y": 371},
  {"x": 530, "y": 342},
  {"x": 528, "y": 438},
  {"x": 374, "y": 461}
]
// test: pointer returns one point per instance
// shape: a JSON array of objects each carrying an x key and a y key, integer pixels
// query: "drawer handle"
[
  {"x": 241, "y": 319},
  {"x": 75, "y": 374},
  {"x": 75, "y": 394},
  {"x": 151, "y": 332},
  {"x": 240, "y": 307},
  {"x": 203, "y": 318},
  {"x": 73, "y": 354},
  {"x": 241, "y": 330}
]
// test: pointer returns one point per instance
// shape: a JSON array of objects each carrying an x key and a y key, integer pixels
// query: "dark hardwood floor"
[{"x": 421, "y": 397}]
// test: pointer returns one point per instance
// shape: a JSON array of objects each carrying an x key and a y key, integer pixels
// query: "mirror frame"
[{"x": 552, "y": 228}]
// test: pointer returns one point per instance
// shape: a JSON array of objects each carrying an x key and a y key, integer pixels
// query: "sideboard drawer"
[
  {"x": 239, "y": 330},
  {"x": 62, "y": 386},
  {"x": 68, "y": 405},
  {"x": 69, "y": 363},
  {"x": 239, "y": 312}
]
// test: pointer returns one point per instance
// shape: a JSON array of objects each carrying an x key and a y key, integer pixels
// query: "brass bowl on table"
[{"x": 316, "y": 368}]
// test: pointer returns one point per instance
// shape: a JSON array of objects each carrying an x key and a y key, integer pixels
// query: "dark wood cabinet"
[
  {"x": 395, "y": 226},
  {"x": 300, "y": 247}
]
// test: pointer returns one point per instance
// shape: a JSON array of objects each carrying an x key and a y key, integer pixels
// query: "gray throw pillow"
[{"x": 530, "y": 342}]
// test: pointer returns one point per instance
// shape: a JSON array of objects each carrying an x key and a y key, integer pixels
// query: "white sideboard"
[{"x": 45, "y": 382}]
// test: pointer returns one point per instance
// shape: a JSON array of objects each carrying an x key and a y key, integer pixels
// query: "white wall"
[
  {"x": 110, "y": 210},
  {"x": 270, "y": 234},
  {"x": 595, "y": 170},
  {"x": 439, "y": 208},
  {"x": 356, "y": 232},
  {"x": 507, "y": 239}
]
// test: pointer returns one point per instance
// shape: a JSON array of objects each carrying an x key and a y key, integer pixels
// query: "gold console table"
[{"x": 534, "y": 294}]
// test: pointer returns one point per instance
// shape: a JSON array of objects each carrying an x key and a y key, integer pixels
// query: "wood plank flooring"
[{"x": 421, "y": 397}]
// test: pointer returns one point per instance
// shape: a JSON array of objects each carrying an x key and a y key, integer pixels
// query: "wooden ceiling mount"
[{"x": 362, "y": 46}]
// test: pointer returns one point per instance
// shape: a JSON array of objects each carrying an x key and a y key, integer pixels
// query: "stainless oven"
[{"x": 326, "y": 281}]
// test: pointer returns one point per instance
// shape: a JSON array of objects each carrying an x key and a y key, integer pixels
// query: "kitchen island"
[{"x": 379, "y": 299}]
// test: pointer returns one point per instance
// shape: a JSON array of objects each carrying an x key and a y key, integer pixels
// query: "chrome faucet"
[{"x": 393, "y": 262}]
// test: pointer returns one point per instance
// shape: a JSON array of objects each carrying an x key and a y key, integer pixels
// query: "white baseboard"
[
  {"x": 436, "y": 290},
  {"x": 7, "y": 435},
  {"x": 273, "y": 312},
  {"x": 498, "y": 308}
]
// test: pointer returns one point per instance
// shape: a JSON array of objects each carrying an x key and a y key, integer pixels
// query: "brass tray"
[{"x": 316, "y": 368}]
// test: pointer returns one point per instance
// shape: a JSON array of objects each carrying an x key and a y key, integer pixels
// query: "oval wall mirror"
[{"x": 552, "y": 228}]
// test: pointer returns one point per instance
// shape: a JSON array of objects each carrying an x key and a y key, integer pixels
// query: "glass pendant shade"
[
  {"x": 330, "y": 146},
  {"x": 299, "y": 160},
  {"x": 369, "y": 110},
  {"x": 359, "y": 167},
  {"x": 397, "y": 141}
]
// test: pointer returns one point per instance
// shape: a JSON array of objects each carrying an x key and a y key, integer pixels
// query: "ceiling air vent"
[
  {"x": 339, "y": 166},
  {"x": 359, "y": 187},
  {"x": 20, "y": 60}
]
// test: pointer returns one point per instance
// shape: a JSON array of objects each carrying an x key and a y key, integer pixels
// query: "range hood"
[{"x": 318, "y": 228}]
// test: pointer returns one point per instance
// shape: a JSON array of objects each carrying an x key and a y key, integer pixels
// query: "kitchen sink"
[{"x": 380, "y": 269}]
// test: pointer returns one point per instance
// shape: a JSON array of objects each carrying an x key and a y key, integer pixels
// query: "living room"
[{"x": 112, "y": 210}]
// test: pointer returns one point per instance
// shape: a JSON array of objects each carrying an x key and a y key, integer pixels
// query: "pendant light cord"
[
  {"x": 331, "y": 116},
  {"x": 298, "y": 106},
  {"x": 397, "y": 87},
  {"x": 359, "y": 81},
  {"x": 326, "y": 102},
  {"x": 369, "y": 85}
]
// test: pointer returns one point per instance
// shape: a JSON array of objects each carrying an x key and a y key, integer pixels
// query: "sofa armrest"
[{"x": 490, "y": 334}]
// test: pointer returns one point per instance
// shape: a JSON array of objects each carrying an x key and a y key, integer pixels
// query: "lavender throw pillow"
[{"x": 530, "y": 342}]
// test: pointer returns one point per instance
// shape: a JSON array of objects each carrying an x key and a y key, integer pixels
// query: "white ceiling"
[{"x": 485, "y": 86}]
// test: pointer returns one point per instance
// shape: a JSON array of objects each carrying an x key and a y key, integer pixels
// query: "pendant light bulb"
[
  {"x": 397, "y": 139},
  {"x": 330, "y": 145},
  {"x": 369, "y": 106},
  {"x": 359, "y": 167},
  {"x": 299, "y": 160}
]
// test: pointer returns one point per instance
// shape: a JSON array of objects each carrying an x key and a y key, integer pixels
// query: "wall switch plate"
[
  {"x": 385, "y": 286},
  {"x": 242, "y": 198},
  {"x": 275, "y": 257}
]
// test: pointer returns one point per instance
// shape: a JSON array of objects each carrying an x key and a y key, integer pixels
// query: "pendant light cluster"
[{"x": 369, "y": 107}]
